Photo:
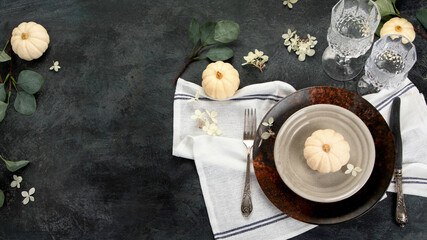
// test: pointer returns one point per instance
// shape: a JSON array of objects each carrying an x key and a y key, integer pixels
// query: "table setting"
[{"x": 294, "y": 119}]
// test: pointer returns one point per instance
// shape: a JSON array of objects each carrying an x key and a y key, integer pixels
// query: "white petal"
[
  {"x": 213, "y": 114},
  {"x": 24, "y": 193},
  {"x": 350, "y": 166},
  {"x": 347, "y": 171},
  {"x": 13, "y": 183},
  {"x": 265, "y": 135},
  {"x": 19, "y": 179},
  {"x": 32, "y": 198},
  {"x": 354, "y": 173},
  {"x": 357, "y": 169},
  {"x": 271, "y": 120},
  {"x": 15, "y": 177},
  {"x": 301, "y": 57},
  {"x": 311, "y": 52},
  {"x": 26, "y": 200},
  {"x": 32, "y": 191},
  {"x": 51, "y": 68},
  {"x": 18, "y": 185},
  {"x": 56, "y": 63},
  {"x": 265, "y": 124}
]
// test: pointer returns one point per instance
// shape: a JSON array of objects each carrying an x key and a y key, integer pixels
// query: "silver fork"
[{"x": 248, "y": 139}]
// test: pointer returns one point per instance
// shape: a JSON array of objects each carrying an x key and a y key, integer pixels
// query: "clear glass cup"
[
  {"x": 388, "y": 65},
  {"x": 350, "y": 36}
]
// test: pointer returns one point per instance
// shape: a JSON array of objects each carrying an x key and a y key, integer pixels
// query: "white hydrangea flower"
[
  {"x": 211, "y": 129},
  {"x": 289, "y": 3},
  {"x": 257, "y": 59},
  {"x": 16, "y": 181},
  {"x": 27, "y": 196},
  {"x": 55, "y": 66},
  {"x": 194, "y": 99},
  {"x": 353, "y": 170},
  {"x": 197, "y": 114}
]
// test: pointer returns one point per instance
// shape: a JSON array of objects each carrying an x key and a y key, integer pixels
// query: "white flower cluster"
[
  {"x": 258, "y": 59},
  {"x": 27, "y": 195},
  {"x": 301, "y": 46},
  {"x": 208, "y": 122},
  {"x": 289, "y": 3},
  {"x": 353, "y": 170}
]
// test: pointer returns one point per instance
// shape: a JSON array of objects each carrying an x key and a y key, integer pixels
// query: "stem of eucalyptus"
[
  {"x": 420, "y": 32},
  {"x": 190, "y": 60}
]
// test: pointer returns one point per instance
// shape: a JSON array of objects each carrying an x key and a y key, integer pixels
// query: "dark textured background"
[{"x": 100, "y": 141}]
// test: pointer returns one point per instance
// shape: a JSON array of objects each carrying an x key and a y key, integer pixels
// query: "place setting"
[{"x": 275, "y": 161}]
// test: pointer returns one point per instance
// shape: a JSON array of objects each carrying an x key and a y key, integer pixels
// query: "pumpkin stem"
[
  {"x": 398, "y": 28},
  {"x": 219, "y": 75},
  {"x": 24, "y": 36},
  {"x": 326, "y": 147}
]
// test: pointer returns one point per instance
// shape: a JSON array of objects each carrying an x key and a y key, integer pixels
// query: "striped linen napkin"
[{"x": 221, "y": 160}]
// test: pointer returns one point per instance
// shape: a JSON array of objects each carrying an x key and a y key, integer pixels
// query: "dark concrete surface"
[{"x": 100, "y": 141}]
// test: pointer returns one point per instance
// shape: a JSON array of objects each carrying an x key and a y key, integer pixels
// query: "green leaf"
[
  {"x": 14, "y": 166},
  {"x": 4, "y": 57},
  {"x": 207, "y": 33},
  {"x": 194, "y": 31},
  {"x": 2, "y": 92},
  {"x": 3, "y": 109},
  {"x": 219, "y": 53},
  {"x": 25, "y": 103},
  {"x": 30, "y": 81},
  {"x": 226, "y": 31},
  {"x": 1, "y": 198},
  {"x": 422, "y": 17},
  {"x": 386, "y": 7}
]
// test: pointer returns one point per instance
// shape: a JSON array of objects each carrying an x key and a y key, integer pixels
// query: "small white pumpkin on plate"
[
  {"x": 29, "y": 40},
  {"x": 220, "y": 80},
  {"x": 326, "y": 151}
]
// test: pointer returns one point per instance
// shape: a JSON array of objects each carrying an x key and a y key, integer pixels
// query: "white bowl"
[{"x": 313, "y": 185}]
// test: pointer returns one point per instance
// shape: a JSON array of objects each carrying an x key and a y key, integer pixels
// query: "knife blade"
[{"x": 401, "y": 215}]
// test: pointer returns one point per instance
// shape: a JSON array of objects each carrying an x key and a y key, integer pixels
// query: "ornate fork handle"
[
  {"x": 247, "y": 199},
  {"x": 401, "y": 215}
]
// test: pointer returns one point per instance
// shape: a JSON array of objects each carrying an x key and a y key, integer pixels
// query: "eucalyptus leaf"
[
  {"x": 386, "y": 7},
  {"x": 1, "y": 198},
  {"x": 219, "y": 53},
  {"x": 422, "y": 17},
  {"x": 2, "y": 92},
  {"x": 194, "y": 31},
  {"x": 4, "y": 57},
  {"x": 30, "y": 81},
  {"x": 3, "y": 109},
  {"x": 226, "y": 31},
  {"x": 15, "y": 166},
  {"x": 25, "y": 103},
  {"x": 207, "y": 33}
]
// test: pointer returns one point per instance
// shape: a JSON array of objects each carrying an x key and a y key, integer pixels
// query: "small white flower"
[
  {"x": 212, "y": 115},
  {"x": 27, "y": 195},
  {"x": 211, "y": 129},
  {"x": 196, "y": 98},
  {"x": 16, "y": 182},
  {"x": 269, "y": 123},
  {"x": 55, "y": 66},
  {"x": 289, "y": 3},
  {"x": 197, "y": 114},
  {"x": 257, "y": 59},
  {"x": 353, "y": 170}
]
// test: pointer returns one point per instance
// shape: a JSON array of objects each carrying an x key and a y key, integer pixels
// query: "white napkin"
[
  {"x": 413, "y": 120},
  {"x": 221, "y": 160}
]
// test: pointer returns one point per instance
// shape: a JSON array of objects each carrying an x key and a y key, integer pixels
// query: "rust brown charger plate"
[{"x": 335, "y": 212}]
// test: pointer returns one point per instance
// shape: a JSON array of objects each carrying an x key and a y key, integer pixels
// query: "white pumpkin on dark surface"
[{"x": 29, "y": 40}]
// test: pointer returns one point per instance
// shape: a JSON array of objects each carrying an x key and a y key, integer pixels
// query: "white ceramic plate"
[{"x": 293, "y": 168}]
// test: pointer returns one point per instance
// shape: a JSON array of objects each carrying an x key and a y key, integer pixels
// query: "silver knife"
[{"x": 401, "y": 215}]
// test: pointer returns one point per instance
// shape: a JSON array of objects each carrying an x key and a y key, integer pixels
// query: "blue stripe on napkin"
[
  {"x": 270, "y": 97},
  {"x": 413, "y": 180},
  {"x": 251, "y": 226},
  {"x": 389, "y": 100}
]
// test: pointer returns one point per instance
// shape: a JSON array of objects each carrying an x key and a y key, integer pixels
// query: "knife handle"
[{"x": 401, "y": 215}]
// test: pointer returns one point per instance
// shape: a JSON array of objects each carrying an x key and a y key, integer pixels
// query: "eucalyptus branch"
[{"x": 209, "y": 34}]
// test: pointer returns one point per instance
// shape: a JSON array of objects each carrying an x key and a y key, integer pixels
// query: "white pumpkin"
[
  {"x": 326, "y": 151},
  {"x": 29, "y": 40},
  {"x": 400, "y": 26},
  {"x": 220, "y": 80}
]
